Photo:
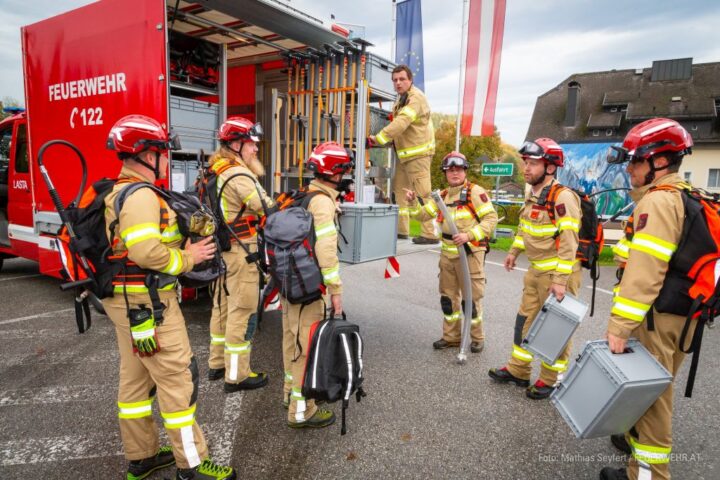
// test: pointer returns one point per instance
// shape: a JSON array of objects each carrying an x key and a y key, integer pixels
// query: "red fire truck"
[{"x": 187, "y": 64}]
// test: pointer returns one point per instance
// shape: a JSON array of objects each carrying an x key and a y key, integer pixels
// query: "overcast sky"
[{"x": 545, "y": 42}]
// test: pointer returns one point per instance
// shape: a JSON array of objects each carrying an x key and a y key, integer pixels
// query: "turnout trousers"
[
  {"x": 451, "y": 283},
  {"x": 171, "y": 375},
  {"x": 414, "y": 175},
  {"x": 535, "y": 291},
  {"x": 229, "y": 321}
]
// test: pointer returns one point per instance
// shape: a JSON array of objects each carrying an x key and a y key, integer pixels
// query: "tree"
[{"x": 474, "y": 149}]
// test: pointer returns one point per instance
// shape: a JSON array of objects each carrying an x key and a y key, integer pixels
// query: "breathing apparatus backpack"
[
  {"x": 87, "y": 255},
  {"x": 591, "y": 234}
]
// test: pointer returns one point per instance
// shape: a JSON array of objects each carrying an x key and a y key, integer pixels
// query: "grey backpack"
[{"x": 289, "y": 242}]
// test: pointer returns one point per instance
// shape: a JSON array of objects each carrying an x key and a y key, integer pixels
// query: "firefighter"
[
  {"x": 236, "y": 161},
  {"x": 411, "y": 131},
  {"x": 328, "y": 162},
  {"x": 155, "y": 354},
  {"x": 654, "y": 150},
  {"x": 475, "y": 218},
  {"x": 551, "y": 247}
]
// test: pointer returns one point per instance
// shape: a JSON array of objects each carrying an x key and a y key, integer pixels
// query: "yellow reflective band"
[
  {"x": 175, "y": 263},
  {"x": 171, "y": 234},
  {"x": 418, "y": 150},
  {"x": 518, "y": 242},
  {"x": 629, "y": 309},
  {"x": 622, "y": 248},
  {"x": 568, "y": 223},
  {"x": 325, "y": 230},
  {"x": 476, "y": 321},
  {"x": 403, "y": 211},
  {"x": 181, "y": 419},
  {"x": 654, "y": 246},
  {"x": 484, "y": 209},
  {"x": 559, "y": 366},
  {"x": 381, "y": 138},
  {"x": 409, "y": 112},
  {"x": 521, "y": 354},
  {"x": 238, "y": 348},
  {"x": 296, "y": 394},
  {"x": 650, "y": 454},
  {"x": 138, "y": 233},
  {"x": 251, "y": 195},
  {"x": 288, "y": 377},
  {"x": 448, "y": 247},
  {"x": 431, "y": 208},
  {"x": 462, "y": 215},
  {"x": 140, "y": 288},
  {"x": 217, "y": 339},
  {"x": 564, "y": 266},
  {"x": 453, "y": 317},
  {"x": 477, "y": 233},
  {"x": 544, "y": 230},
  {"x": 135, "y": 409},
  {"x": 545, "y": 265},
  {"x": 331, "y": 275}
]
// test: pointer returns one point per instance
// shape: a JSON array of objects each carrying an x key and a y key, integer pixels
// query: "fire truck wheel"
[{"x": 1, "y": 263}]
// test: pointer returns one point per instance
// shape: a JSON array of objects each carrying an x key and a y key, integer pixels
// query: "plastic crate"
[
  {"x": 554, "y": 326},
  {"x": 371, "y": 231},
  {"x": 605, "y": 393}
]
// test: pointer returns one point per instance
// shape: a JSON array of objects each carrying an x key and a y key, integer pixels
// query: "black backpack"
[
  {"x": 191, "y": 216},
  {"x": 289, "y": 244},
  {"x": 334, "y": 368}
]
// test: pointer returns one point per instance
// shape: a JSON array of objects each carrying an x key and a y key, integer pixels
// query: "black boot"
[
  {"x": 477, "y": 347},
  {"x": 425, "y": 241},
  {"x": 255, "y": 380},
  {"x": 442, "y": 344},
  {"x": 609, "y": 473},
  {"x": 139, "y": 469},
  {"x": 216, "y": 373},
  {"x": 539, "y": 391},
  {"x": 620, "y": 443},
  {"x": 502, "y": 375},
  {"x": 207, "y": 470}
]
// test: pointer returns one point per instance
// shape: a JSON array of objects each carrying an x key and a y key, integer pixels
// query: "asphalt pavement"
[{"x": 424, "y": 416}]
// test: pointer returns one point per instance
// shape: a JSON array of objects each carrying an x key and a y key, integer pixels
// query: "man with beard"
[
  {"x": 475, "y": 218},
  {"x": 551, "y": 247},
  {"x": 236, "y": 163}
]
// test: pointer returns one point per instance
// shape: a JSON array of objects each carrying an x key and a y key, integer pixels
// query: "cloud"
[{"x": 545, "y": 42}]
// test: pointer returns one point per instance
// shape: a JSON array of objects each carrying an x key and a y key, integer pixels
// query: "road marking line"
[
  {"x": 59, "y": 449},
  {"x": 39, "y": 315},
  {"x": 601, "y": 290},
  {"x": 503, "y": 265},
  {"x": 21, "y": 276},
  {"x": 224, "y": 440}
]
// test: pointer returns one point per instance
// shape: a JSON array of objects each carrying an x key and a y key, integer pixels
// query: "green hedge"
[{"x": 511, "y": 212}]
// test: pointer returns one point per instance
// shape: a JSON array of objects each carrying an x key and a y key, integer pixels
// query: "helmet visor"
[
  {"x": 454, "y": 162},
  {"x": 531, "y": 149},
  {"x": 256, "y": 132},
  {"x": 618, "y": 155}
]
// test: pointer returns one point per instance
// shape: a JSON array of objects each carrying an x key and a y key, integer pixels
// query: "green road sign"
[{"x": 497, "y": 169}]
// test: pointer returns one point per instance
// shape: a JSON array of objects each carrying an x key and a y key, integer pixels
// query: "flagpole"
[
  {"x": 393, "y": 40},
  {"x": 461, "y": 87}
]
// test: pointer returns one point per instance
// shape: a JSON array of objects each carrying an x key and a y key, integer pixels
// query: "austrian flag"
[{"x": 485, "y": 26}]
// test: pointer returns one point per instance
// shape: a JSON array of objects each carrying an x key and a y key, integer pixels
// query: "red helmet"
[
  {"x": 652, "y": 137},
  {"x": 545, "y": 148},
  {"x": 239, "y": 128},
  {"x": 137, "y": 133},
  {"x": 329, "y": 158},
  {"x": 454, "y": 159}
]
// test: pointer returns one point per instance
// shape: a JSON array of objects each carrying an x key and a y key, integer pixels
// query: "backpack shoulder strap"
[
  {"x": 549, "y": 196},
  {"x": 132, "y": 188}
]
